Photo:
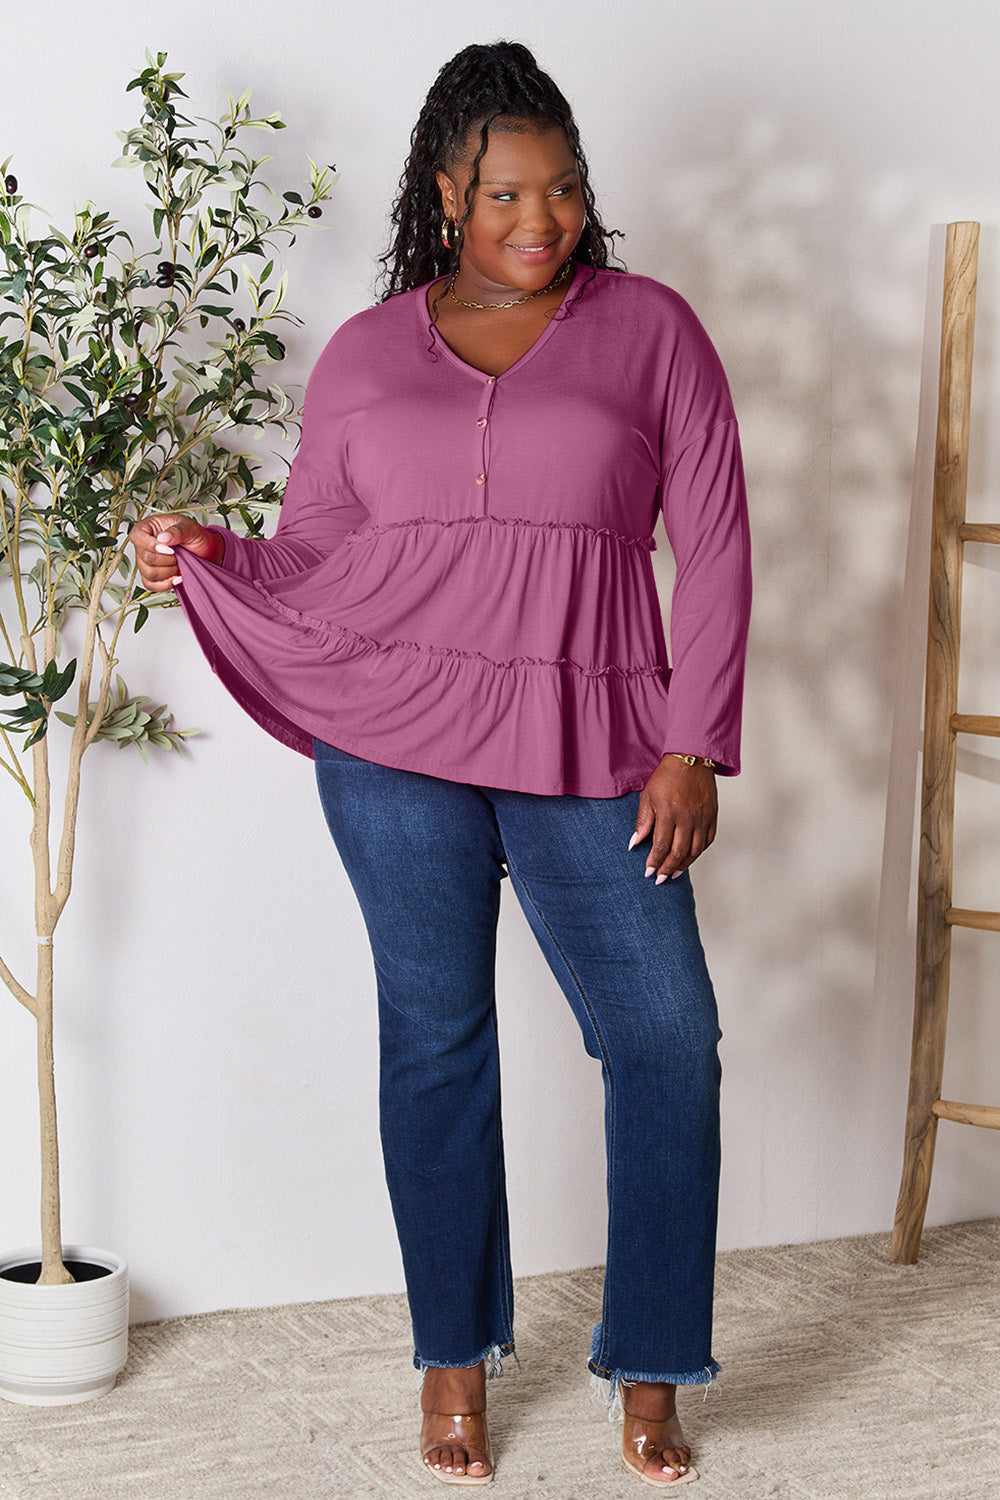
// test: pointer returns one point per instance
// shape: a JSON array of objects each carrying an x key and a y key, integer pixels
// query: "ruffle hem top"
[{"x": 460, "y": 580}]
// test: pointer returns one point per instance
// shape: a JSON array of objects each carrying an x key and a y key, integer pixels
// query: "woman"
[{"x": 457, "y": 620}]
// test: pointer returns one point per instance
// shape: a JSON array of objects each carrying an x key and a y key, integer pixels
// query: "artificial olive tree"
[{"x": 120, "y": 371}]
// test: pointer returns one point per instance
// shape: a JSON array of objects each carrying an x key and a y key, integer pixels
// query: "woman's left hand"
[{"x": 679, "y": 805}]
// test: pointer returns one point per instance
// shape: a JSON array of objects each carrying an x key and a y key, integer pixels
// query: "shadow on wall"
[
  {"x": 973, "y": 1034},
  {"x": 812, "y": 289},
  {"x": 973, "y": 1038},
  {"x": 827, "y": 401}
]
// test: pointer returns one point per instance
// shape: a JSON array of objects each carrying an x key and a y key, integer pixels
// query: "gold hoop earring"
[{"x": 446, "y": 227}]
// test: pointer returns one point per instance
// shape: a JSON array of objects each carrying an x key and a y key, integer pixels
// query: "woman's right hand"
[{"x": 154, "y": 539}]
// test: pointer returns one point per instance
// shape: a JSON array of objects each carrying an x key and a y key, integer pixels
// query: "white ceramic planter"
[{"x": 62, "y": 1344}]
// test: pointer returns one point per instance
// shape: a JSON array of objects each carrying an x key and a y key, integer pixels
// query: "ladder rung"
[
  {"x": 969, "y": 532},
  {"x": 988, "y": 921},
  {"x": 974, "y": 724},
  {"x": 967, "y": 1114}
]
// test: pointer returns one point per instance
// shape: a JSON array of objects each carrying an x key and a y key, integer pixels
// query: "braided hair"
[{"x": 500, "y": 80}]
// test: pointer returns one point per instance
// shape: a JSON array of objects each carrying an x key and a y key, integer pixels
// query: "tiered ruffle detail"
[
  {"x": 648, "y": 543},
  {"x": 491, "y": 650}
]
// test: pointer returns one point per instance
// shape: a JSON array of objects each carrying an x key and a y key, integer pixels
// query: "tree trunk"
[{"x": 54, "y": 1272}]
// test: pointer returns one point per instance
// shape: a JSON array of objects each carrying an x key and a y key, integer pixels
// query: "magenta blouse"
[{"x": 460, "y": 580}]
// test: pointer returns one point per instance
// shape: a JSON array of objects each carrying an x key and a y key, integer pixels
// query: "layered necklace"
[{"x": 496, "y": 306}]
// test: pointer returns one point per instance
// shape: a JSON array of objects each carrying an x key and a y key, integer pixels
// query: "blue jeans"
[{"x": 425, "y": 857}]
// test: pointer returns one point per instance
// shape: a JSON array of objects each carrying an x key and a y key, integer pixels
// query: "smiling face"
[{"x": 527, "y": 211}]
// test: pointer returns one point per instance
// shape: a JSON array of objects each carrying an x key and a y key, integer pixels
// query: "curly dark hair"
[{"x": 478, "y": 85}]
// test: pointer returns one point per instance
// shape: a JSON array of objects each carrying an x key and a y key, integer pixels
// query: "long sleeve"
[
  {"x": 460, "y": 580},
  {"x": 703, "y": 499},
  {"x": 319, "y": 507}
]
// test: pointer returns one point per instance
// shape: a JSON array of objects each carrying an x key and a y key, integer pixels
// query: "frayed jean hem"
[
  {"x": 493, "y": 1356},
  {"x": 615, "y": 1379},
  {"x": 611, "y": 1398}
]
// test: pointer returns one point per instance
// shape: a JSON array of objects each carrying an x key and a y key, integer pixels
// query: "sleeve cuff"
[{"x": 236, "y": 558}]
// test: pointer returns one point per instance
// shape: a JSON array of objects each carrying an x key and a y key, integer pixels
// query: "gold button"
[
  {"x": 492, "y": 380},
  {"x": 480, "y": 478},
  {"x": 481, "y": 422}
]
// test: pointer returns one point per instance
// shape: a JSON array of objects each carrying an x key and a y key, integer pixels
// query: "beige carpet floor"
[{"x": 844, "y": 1375}]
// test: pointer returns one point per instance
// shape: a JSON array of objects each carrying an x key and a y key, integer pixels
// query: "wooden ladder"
[{"x": 942, "y": 723}]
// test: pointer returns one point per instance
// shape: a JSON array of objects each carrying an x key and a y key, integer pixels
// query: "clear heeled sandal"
[
  {"x": 467, "y": 1431},
  {"x": 644, "y": 1436}
]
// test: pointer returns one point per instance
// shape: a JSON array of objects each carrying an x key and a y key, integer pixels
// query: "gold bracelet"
[{"x": 693, "y": 760}]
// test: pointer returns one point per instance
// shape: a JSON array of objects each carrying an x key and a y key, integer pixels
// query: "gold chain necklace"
[{"x": 496, "y": 306}]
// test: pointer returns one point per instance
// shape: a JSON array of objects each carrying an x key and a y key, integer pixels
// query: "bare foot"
[
  {"x": 442, "y": 1441},
  {"x": 652, "y": 1442}
]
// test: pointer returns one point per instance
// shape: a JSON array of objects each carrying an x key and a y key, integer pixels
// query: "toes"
[
  {"x": 474, "y": 1460},
  {"x": 668, "y": 1461},
  {"x": 478, "y": 1462},
  {"x": 457, "y": 1460}
]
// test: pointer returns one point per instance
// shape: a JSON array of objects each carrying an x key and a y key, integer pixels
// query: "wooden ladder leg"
[
  {"x": 941, "y": 702},
  {"x": 926, "y": 1072}
]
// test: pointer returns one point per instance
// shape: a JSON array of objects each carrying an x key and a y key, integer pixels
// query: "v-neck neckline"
[{"x": 557, "y": 316}]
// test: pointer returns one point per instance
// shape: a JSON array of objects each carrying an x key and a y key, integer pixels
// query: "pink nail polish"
[
  {"x": 633, "y": 841},
  {"x": 650, "y": 870},
  {"x": 660, "y": 879}
]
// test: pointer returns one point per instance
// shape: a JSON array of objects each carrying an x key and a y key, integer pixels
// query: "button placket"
[{"x": 482, "y": 421}]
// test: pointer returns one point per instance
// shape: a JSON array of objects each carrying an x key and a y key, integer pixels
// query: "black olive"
[
  {"x": 315, "y": 212},
  {"x": 166, "y": 268},
  {"x": 239, "y": 325},
  {"x": 131, "y": 399},
  {"x": 95, "y": 458},
  {"x": 91, "y": 251},
  {"x": 10, "y": 183},
  {"x": 164, "y": 281}
]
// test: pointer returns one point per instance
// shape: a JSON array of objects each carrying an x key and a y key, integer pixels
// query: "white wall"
[{"x": 783, "y": 166}]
